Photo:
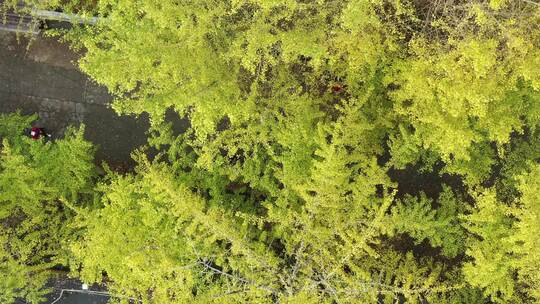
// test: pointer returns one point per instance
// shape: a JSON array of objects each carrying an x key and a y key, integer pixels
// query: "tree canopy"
[
  {"x": 360, "y": 151},
  {"x": 39, "y": 181}
]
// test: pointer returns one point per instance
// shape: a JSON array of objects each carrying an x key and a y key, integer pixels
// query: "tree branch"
[{"x": 531, "y": 2}]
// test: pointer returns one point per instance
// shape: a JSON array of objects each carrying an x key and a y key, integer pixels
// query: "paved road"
[
  {"x": 69, "y": 297},
  {"x": 41, "y": 77},
  {"x": 78, "y": 298}
]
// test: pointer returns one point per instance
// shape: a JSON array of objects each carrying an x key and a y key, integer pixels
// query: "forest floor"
[{"x": 41, "y": 76}]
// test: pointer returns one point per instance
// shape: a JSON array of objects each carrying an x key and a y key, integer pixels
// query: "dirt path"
[{"x": 41, "y": 77}]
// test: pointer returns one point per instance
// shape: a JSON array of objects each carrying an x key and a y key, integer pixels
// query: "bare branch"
[
  {"x": 531, "y": 2},
  {"x": 207, "y": 265}
]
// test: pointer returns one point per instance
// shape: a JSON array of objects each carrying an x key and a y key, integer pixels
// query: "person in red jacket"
[
  {"x": 37, "y": 133},
  {"x": 337, "y": 88}
]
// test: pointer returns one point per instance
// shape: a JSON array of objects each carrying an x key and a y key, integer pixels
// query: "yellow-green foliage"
[
  {"x": 290, "y": 184},
  {"x": 507, "y": 243},
  {"x": 36, "y": 177},
  {"x": 299, "y": 113},
  {"x": 441, "y": 226},
  {"x": 526, "y": 237}
]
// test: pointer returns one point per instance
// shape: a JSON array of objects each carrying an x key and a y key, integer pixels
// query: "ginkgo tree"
[
  {"x": 299, "y": 111},
  {"x": 305, "y": 116},
  {"x": 38, "y": 182},
  {"x": 504, "y": 246}
]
